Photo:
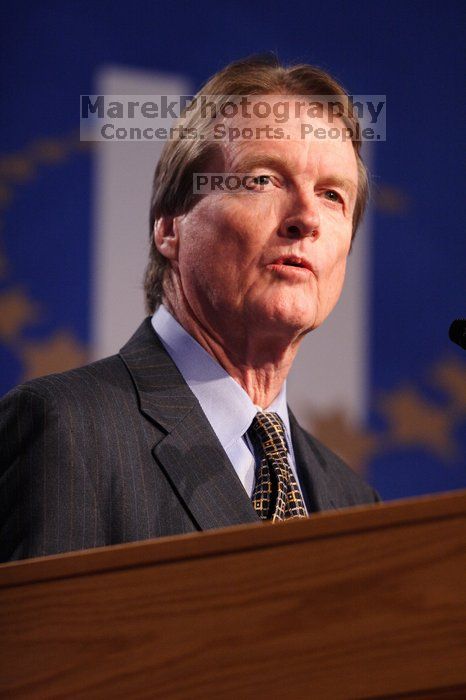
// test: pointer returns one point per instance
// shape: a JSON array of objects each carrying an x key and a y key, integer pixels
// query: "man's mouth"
[{"x": 293, "y": 261}]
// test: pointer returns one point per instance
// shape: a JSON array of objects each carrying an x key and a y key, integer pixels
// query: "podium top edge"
[{"x": 238, "y": 538}]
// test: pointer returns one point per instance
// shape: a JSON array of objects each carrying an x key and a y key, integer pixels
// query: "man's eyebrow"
[{"x": 262, "y": 160}]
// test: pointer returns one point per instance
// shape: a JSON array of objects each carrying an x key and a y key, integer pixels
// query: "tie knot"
[{"x": 270, "y": 430}]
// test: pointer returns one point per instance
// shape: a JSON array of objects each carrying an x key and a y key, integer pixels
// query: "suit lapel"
[
  {"x": 188, "y": 451},
  {"x": 312, "y": 473}
]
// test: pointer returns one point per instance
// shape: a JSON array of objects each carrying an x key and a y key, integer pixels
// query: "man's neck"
[{"x": 258, "y": 365}]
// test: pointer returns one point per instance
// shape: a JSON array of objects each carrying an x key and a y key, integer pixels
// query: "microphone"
[{"x": 457, "y": 332}]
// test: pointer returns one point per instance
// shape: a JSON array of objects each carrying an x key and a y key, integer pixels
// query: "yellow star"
[
  {"x": 354, "y": 444},
  {"x": 56, "y": 354},
  {"x": 416, "y": 422},
  {"x": 16, "y": 311},
  {"x": 49, "y": 150},
  {"x": 16, "y": 168},
  {"x": 391, "y": 200},
  {"x": 450, "y": 375}
]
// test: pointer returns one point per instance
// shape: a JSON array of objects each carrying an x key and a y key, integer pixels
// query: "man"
[{"x": 188, "y": 427}]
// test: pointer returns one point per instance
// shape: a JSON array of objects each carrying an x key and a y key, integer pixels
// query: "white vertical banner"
[{"x": 122, "y": 188}]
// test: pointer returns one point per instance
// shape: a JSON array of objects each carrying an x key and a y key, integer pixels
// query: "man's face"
[{"x": 273, "y": 258}]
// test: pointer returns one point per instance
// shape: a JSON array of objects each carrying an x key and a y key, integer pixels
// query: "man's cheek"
[
  {"x": 337, "y": 279},
  {"x": 336, "y": 249}
]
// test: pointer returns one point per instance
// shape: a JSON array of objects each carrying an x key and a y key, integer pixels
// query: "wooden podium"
[{"x": 360, "y": 603}]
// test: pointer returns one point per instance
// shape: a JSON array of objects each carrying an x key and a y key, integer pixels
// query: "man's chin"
[{"x": 285, "y": 322}]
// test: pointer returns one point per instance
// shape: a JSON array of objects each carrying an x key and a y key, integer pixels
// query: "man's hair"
[{"x": 172, "y": 191}]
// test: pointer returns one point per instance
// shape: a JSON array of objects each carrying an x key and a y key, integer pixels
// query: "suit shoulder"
[
  {"x": 65, "y": 412},
  {"x": 94, "y": 377},
  {"x": 77, "y": 391}
]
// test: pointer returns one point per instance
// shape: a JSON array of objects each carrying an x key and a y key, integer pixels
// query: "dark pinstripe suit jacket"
[{"x": 120, "y": 450}]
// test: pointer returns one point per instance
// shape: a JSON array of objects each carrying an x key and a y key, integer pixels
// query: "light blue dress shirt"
[{"x": 227, "y": 406}]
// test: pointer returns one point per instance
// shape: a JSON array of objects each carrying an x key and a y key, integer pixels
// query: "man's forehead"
[{"x": 275, "y": 112}]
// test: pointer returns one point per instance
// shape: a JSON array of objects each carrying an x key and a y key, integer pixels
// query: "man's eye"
[
  {"x": 333, "y": 196},
  {"x": 261, "y": 180},
  {"x": 259, "y": 183}
]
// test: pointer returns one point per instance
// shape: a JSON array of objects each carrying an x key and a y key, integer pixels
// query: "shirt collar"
[{"x": 226, "y": 404}]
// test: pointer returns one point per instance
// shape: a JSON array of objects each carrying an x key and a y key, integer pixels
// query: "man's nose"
[{"x": 303, "y": 219}]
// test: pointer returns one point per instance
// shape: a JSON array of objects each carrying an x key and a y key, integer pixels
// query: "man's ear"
[{"x": 166, "y": 237}]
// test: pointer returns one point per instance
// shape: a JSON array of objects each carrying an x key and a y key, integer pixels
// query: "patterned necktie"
[{"x": 276, "y": 494}]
